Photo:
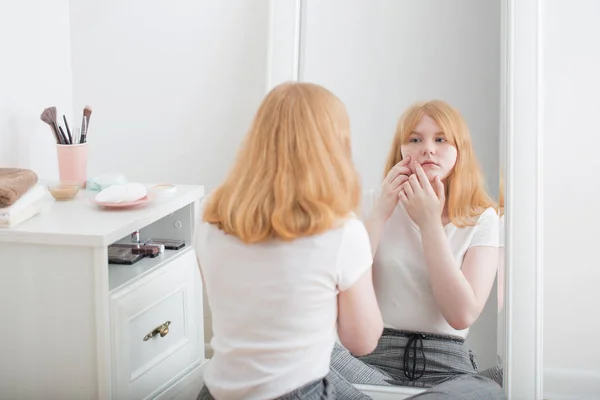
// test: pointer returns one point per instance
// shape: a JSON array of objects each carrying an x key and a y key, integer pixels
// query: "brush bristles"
[
  {"x": 49, "y": 117},
  {"x": 87, "y": 111}
]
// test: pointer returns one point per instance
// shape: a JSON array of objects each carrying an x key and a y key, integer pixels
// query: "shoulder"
[
  {"x": 486, "y": 231},
  {"x": 351, "y": 235},
  {"x": 488, "y": 216},
  {"x": 488, "y": 221},
  {"x": 352, "y": 227},
  {"x": 200, "y": 226},
  {"x": 200, "y": 209}
]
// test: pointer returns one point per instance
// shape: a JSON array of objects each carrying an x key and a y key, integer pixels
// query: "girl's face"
[{"x": 428, "y": 145}]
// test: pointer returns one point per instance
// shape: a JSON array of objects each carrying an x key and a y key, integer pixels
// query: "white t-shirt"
[
  {"x": 400, "y": 274},
  {"x": 274, "y": 306}
]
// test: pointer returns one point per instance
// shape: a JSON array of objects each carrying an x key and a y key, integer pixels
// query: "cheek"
[
  {"x": 407, "y": 151},
  {"x": 449, "y": 155}
]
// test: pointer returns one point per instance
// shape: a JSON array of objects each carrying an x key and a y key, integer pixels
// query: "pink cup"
[{"x": 72, "y": 163}]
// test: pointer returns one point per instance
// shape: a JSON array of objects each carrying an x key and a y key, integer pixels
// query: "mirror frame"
[{"x": 521, "y": 134}]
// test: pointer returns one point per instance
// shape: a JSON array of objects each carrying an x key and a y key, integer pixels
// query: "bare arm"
[
  {"x": 501, "y": 267},
  {"x": 359, "y": 319},
  {"x": 374, "y": 225},
  {"x": 460, "y": 293}
]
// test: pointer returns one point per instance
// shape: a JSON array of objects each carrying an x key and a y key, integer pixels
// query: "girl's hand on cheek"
[{"x": 423, "y": 202}]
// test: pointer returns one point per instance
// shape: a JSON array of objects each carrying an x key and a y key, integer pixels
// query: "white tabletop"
[{"x": 79, "y": 222}]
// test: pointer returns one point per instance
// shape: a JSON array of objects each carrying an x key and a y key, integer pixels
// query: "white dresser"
[{"x": 73, "y": 326}]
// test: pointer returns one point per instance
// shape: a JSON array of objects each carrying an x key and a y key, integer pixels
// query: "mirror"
[{"x": 380, "y": 58}]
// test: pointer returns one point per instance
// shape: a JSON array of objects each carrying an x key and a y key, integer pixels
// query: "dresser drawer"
[{"x": 157, "y": 328}]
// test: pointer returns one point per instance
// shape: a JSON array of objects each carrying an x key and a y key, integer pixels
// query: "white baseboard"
[{"x": 571, "y": 384}]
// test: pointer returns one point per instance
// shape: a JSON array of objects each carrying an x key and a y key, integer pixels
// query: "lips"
[{"x": 424, "y": 163}]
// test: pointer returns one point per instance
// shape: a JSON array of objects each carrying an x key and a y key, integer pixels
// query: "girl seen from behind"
[{"x": 285, "y": 262}]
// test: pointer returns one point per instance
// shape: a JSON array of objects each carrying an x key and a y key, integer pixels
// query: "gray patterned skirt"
[
  {"x": 442, "y": 364},
  {"x": 410, "y": 359}
]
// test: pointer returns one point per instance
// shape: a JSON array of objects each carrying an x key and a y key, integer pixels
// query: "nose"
[{"x": 428, "y": 147}]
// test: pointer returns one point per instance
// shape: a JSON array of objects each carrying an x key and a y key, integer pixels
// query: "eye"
[
  {"x": 441, "y": 140},
  {"x": 413, "y": 140}
]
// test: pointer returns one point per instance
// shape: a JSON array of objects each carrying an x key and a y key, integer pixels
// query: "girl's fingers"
[
  {"x": 398, "y": 169},
  {"x": 414, "y": 183},
  {"x": 402, "y": 197},
  {"x": 408, "y": 189},
  {"x": 399, "y": 180},
  {"x": 423, "y": 179}
]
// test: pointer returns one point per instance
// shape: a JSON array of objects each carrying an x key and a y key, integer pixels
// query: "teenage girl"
[
  {"x": 434, "y": 235},
  {"x": 285, "y": 261}
]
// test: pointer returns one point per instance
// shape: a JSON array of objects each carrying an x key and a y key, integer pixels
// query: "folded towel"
[
  {"x": 14, "y": 183},
  {"x": 33, "y": 196},
  {"x": 22, "y": 215}
]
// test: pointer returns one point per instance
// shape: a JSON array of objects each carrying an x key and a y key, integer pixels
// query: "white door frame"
[
  {"x": 522, "y": 117},
  {"x": 523, "y": 133}
]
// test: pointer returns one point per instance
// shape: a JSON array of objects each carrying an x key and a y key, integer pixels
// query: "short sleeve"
[
  {"x": 487, "y": 230},
  {"x": 354, "y": 256},
  {"x": 369, "y": 199}
]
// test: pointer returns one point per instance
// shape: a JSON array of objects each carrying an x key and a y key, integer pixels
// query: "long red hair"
[{"x": 294, "y": 175}]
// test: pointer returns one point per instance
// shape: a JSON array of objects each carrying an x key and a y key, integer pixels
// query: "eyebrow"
[{"x": 419, "y": 133}]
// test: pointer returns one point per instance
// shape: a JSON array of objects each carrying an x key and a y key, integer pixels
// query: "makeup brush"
[
  {"x": 64, "y": 137},
  {"x": 68, "y": 130},
  {"x": 49, "y": 117},
  {"x": 87, "y": 113},
  {"x": 76, "y": 136}
]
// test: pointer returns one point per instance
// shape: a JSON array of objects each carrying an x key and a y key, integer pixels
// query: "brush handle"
[
  {"x": 54, "y": 133},
  {"x": 64, "y": 137},
  {"x": 83, "y": 128},
  {"x": 68, "y": 130},
  {"x": 59, "y": 139},
  {"x": 77, "y": 136},
  {"x": 84, "y": 131}
]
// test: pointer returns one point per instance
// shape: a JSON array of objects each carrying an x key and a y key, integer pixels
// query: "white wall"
[
  {"x": 381, "y": 56},
  {"x": 35, "y": 74},
  {"x": 571, "y": 84},
  {"x": 173, "y": 85}
]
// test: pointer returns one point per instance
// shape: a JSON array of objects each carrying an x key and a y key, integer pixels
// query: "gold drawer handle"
[{"x": 161, "y": 330}]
